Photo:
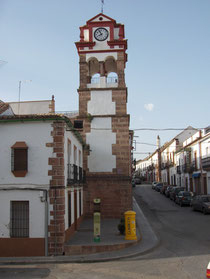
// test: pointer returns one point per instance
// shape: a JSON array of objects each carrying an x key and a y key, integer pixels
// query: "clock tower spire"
[{"x": 103, "y": 109}]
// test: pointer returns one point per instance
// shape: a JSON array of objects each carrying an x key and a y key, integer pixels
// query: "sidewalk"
[{"x": 111, "y": 241}]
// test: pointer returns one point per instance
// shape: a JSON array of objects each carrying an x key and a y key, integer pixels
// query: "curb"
[{"x": 147, "y": 242}]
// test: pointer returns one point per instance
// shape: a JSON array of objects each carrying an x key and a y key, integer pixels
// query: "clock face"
[{"x": 101, "y": 34}]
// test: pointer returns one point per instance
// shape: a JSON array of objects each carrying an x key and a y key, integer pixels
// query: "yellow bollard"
[{"x": 130, "y": 225}]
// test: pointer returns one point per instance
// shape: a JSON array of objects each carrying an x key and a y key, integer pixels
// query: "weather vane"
[{"x": 102, "y": 6}]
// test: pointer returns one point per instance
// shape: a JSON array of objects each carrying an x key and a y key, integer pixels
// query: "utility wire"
[{"x": 153, "y": 129}]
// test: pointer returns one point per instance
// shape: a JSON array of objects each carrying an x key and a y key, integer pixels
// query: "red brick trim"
[
  {"x": 19, "y": 173},
  {"x": 56, "y": 228},
  {"x": 22, "y": 247}
]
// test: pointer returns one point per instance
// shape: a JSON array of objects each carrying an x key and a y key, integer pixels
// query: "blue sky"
[{"x": 168, "y": 69}]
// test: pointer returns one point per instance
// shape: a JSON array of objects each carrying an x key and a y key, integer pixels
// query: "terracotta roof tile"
[{"x": 3, "y": 107}]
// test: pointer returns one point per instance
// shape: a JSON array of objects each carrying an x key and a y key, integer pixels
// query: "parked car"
[
  {"x": 184, "y": 198},
  {"x": 174, "y": 192},
  {"x": 158, "y": 186},
  {"x": 163, "y": 189},
  {"x": 168, "y": 190},
  {"x": 154, "y": 184},
  {"x": 137, "y": 180},
  {"x": 201, "y": 203}
]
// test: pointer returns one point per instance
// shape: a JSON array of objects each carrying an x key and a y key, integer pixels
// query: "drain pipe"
[
  {"x": 44, "y": 198},
  {"x": 55, "y": 204},
  {"x": 46, "y": 223}
]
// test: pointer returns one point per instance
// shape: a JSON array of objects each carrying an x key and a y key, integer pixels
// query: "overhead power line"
[
  {"x": 166, "y": 129},
  {"x": 154, "y": 129}
]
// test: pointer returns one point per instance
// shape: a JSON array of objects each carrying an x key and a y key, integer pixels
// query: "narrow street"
[{"x": 183, "y": 252}]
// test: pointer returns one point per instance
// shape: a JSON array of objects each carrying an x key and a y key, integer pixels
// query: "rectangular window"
[
  {"x": 69, "y": 151},
  {"x": 80, "y": 158},
  {"x": 195, "y": 158},
  {"x": 19, "y": 219},
  {"x": 78, "y": 124},
  {"x": 80, "y": 203},
  {"x": 69, "y": 208},
  {"x": 19, "y": 159},
  {"x": 75, "y": 154}
]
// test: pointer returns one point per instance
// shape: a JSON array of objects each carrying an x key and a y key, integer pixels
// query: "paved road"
[{"x": 183, "y": 253}]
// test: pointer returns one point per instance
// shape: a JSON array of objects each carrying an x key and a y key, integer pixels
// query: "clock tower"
[{"x": 103, "y": 111}]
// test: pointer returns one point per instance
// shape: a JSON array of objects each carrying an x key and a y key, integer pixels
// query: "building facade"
[
  {"x": 41, "y": 184},
  {"x": 184, "y": 161}
]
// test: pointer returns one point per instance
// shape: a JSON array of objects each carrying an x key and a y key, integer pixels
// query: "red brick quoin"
[{"x": 56, "y": 229}]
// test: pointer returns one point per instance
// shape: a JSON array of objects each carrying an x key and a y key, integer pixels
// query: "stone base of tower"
[{"x": 115, "y": 193}]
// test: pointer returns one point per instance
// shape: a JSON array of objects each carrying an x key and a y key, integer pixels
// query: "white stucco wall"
[
  {"x": 74, "y": 142},
  {"x": 100, "y": 141},
  {"x": 31, "y": 107},
  {"x": 101, "y": 56},
  {"x": 208, "y": 183},
  {"x": 101, "y": 103},
  {"x": 36, "y": 212},
  {"x": 36, "y": 135}
]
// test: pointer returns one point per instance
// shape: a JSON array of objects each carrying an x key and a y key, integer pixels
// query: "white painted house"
[
  {"x": 41, "y": 184},
  {"x": 193, "y": 163}
]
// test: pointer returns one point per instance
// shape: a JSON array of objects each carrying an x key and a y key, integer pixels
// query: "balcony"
[
  {"x": 103, "y": 82},
  {"x": 206, "y": 162},
  {"x": 75, "y": 174},
  {"x": 164, "y": 165}
]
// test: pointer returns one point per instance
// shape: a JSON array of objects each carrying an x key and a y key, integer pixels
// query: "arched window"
[
  {"x": 93, "y": 68},
  {"x": 95, "y": 79},
  {"x": 112, "y": 78}
]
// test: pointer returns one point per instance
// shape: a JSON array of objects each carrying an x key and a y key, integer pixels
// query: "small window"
[
  {"x": 78, "y": 124},
  {"x": 19, "y": 159},
  {"x": 69, "y": 151},
  {"x": 75, "y": 154},
  {"x": 19, "y": 219},
  {"x": 69, "y": 208}
]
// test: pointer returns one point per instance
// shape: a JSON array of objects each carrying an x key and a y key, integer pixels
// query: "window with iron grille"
[{"x": 19, "y": 219}]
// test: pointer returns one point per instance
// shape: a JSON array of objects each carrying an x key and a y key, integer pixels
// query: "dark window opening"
[
  {"x": 78, "y": 124},
  {"x": 19, "y": 159},
  {"x": 80, "y": 203},
  {"x": 69, "y": 208}
]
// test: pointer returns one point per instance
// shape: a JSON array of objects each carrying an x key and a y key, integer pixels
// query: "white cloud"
[{"x": 149, "y": 107}]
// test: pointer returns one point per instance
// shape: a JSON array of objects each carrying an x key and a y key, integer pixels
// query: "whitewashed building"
[
  {"x": 41, "y": 184},
  {"x": 193, "y": 163}
]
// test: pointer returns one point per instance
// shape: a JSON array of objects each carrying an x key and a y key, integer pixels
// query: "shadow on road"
[{"x": 23, "y": 273}]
